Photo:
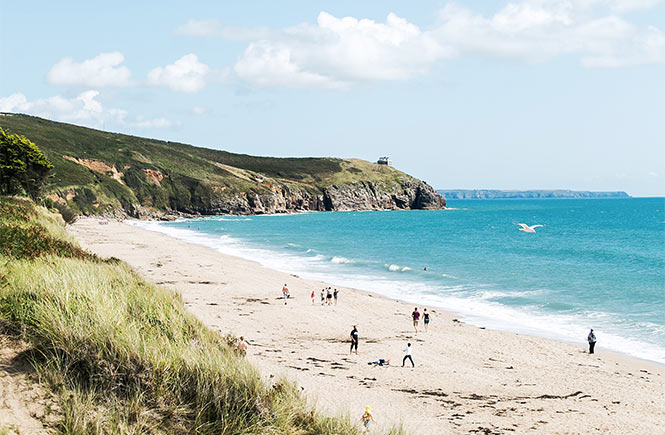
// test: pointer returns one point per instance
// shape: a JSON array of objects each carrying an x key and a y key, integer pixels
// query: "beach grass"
[{"x": 125, "y": 356}]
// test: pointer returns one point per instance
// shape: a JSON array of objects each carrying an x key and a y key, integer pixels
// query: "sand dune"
[{"x": 466, "y": 380}]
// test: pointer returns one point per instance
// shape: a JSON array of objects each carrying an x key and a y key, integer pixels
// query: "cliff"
[
  {"x": 98, "y": 172},
  {"x": 526, "y": 194}
]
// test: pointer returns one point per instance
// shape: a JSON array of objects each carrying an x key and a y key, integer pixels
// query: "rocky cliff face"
[{"x": 409, "y": 194}]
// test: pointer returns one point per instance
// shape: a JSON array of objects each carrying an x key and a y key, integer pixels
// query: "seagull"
[{"x": 529, "y": 229}]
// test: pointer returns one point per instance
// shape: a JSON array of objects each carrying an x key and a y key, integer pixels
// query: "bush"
[
  {"x": 23, "y": 167},
  {"x": 68, "y": 215}
]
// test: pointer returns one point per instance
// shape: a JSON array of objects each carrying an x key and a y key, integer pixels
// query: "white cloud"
[
  {"x": 151, "y": 123},
  {"x": 629, "y": 5},
  {"x": 337, "y": 52},
  {"x": 104, "y": 70},
  {"x": 84, "y": 109},
  {"x": 198, "y": 110},
  {"x": 538, "y": 30},
  {"x": 187, "y": 74}
]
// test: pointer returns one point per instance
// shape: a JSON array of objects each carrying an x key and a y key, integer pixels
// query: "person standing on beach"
[
  {"x": 426, "y": 319},
  {"x": 328, "y": 296},
  {"x": 242, "y": 346},
  {"x": 313, "y": 296},
  {"x": 335, "y": 293},
  {"x": 285, "y": 293},
  {"x": 323, "y": 296},
  {"x": 354, "y": 340},
  {"x": 367, "y": 419},
  {"x": 416, "y": 318},
  {"x": 592, "y": 341},
  {"x": 407, "y": 355}
]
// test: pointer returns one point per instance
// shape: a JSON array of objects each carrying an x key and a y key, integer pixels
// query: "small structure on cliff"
[{"x": 384, "y": 161}]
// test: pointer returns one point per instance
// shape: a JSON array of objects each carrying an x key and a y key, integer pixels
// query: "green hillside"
[{"x": 97, "y": 172}]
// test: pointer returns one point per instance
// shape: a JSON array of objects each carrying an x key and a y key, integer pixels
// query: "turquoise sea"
[{"x": 596, "y": 263}]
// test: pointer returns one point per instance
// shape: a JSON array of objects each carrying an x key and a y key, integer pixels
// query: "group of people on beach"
[
  {"x": 408, "y": 351},
  {"x": 328, "y": 294}
]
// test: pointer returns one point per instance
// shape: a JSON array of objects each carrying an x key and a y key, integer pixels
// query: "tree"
[{"x": 23, "y": 167}]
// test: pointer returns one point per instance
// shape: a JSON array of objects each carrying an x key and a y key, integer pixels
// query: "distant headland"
[{"x": 526, "y": 194}]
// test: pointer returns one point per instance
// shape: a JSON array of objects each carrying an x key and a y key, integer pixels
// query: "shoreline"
[
  {"x": 466, "y": 376},
  {"x": 479, "y": 320}
]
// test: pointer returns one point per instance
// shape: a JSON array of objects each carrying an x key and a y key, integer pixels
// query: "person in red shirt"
[{"x": 416, "y": 318}]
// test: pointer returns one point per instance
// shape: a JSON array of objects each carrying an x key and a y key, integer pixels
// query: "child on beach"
[
  {"x": 367, "y": 419},
  {"x": 242, "y": 346},
  {"x": 416, "y": 318},
  {"x": 426, "y": 318}
]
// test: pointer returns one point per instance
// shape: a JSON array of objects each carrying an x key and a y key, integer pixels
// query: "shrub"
[
  {"x": 68, "y": 215},
  {"x": 23, "y": 167}
]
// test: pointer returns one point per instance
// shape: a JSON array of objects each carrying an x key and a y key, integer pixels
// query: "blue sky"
[{"x": 509, "y": 95}]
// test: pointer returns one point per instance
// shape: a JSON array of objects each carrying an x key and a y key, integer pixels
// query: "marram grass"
[{"x": 125, "y": 356}]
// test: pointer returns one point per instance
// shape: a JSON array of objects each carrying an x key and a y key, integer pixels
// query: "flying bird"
[{"x": 529, "y": 229}]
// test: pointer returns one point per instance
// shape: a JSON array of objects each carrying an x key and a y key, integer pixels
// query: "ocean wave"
[
  {"x": 342, "y": 260},
  {"x": 397, "y": 268}
]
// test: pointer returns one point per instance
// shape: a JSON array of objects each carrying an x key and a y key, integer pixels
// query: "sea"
[{"x": 595, "y": 263}]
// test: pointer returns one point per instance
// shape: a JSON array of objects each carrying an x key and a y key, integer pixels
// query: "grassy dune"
[{"x": 123, "y": 355}]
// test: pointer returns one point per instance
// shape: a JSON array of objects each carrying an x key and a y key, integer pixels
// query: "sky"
[{"x": 528, "y": 94}]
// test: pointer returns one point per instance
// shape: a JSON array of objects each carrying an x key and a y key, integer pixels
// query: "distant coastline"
[{"x": 527, "y": 194}]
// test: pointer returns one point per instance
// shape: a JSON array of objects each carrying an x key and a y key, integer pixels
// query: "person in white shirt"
[{"x": 407, "y": 355}]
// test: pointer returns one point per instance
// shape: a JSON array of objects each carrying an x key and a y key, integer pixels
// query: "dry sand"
[
  {"x": 467, "y": 379},
  {"x": 26, "y": 407}
]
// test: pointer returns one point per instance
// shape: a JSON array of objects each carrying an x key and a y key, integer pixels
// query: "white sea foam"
[{"x": 342, "y": 260}]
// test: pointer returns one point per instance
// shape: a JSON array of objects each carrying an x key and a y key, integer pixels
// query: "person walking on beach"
[
  {"x": 367, "y": 419},
  {"x": 313, "y": 296},
  {"x": 407, "y": 355},
  {"x": 323, "y": 296},
  {"x": 285, "y": 293},
  {"x": 335, "y": 293},
  {"x": 242, "y": 346},
  {"x": 328, "y": 297},
  {"x": 416, "y": 318},
  {"x": 426, "y": 319},
  {"x": 354, "y": 340},
  {"x": 592, "y": 341}
]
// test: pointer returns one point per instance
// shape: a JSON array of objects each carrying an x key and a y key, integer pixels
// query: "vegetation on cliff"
[
  {"x": 123, "y": 355},
  {"x": 97, "y": 172}
]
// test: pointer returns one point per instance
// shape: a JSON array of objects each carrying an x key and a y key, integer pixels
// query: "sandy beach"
[{"x": 467, "y": 379}]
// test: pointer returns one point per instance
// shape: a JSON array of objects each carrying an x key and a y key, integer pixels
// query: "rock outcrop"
[{"x": 409, "y": 194}]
